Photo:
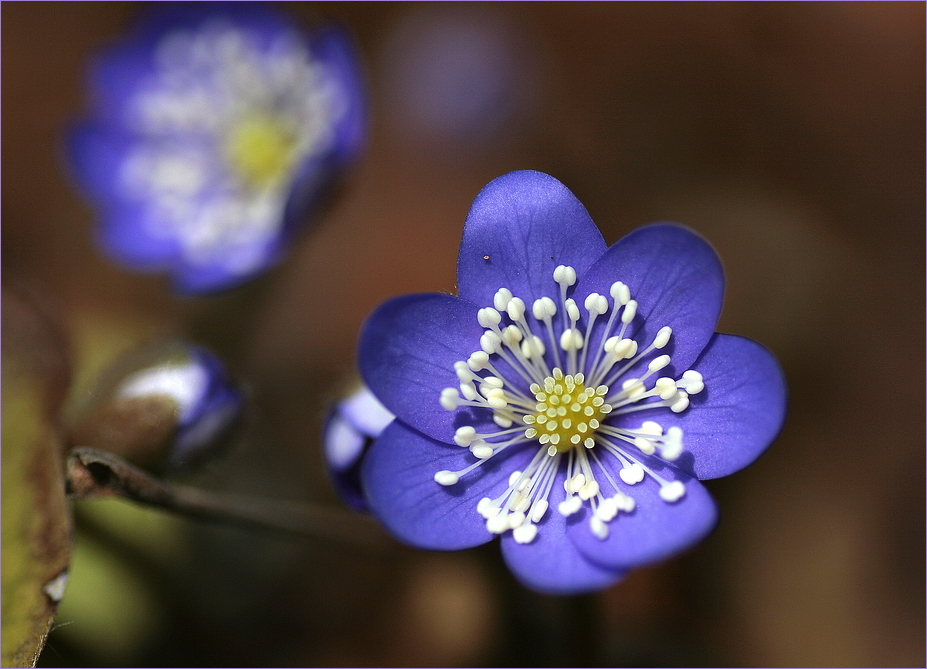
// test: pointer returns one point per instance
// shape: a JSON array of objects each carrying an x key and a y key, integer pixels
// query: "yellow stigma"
[
  {"x": 261, "y": 149},
  {"x": 567, "y": 413}
]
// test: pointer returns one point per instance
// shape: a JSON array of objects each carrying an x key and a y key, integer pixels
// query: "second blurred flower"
[{"x": 215, "y": 129}]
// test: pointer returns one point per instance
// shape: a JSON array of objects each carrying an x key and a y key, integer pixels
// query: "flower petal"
[
  {"x": 406, "y": 356},
  {"x": 398, "y": 478},
  {"x": 654, "y": 530},
  {"x": 677, "y": 280},
  {"x": 551, "y": 563},
  {"x": 741, "y": 410},
  {"x": 521, "y": 226}
]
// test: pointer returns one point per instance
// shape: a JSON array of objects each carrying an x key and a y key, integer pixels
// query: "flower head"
[
  {"x": 569, "y": 400},
  {"x": 214, "y": 130},
  {"x": 350, "y": 427},
  {"x": 164, "y": 406}
]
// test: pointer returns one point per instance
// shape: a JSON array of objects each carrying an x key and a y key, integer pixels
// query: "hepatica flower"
[
  {"x": 215, "y": 128},
  {"x": 350, "y": 427},
  {"x": 164, "y": 406},
  {"x": 569, "y": 400}
]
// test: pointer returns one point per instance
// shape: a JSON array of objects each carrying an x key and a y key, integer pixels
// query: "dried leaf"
[{"x": 36, "y": 516}]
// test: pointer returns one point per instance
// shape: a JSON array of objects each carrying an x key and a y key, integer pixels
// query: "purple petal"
[
  {"x": 551, "y": 563},
  {"x": 677, "y": 280},
  {"x": 654, "y": 530},
  {"x": 365, "y": 413},
  {"x": 738, "y": 414},
  {"x": 124, "y": 235},
  {"x": 334, "y": 46},
  {"x": 521, "y": 226},
  {"x": 406, "y": 356},
  {"x": 398, "y": 477},
  {"x": 342, "y": 448},
  {"x": 95, "y": 156}
]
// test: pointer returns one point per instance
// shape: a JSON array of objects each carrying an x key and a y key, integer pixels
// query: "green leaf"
[{"x": 36, "y": 531}]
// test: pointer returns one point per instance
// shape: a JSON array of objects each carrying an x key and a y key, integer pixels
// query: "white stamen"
[{"x": 563, "y": 407}]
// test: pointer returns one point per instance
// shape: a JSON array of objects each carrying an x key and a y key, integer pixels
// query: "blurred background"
[{"x": 791, "y": 135}]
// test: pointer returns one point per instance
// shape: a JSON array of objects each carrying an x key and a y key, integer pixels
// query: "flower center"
[
  {"x": 571, "y": 401},
  {"x": 567, "y": 413},
  {"x": 221, "y": 123},
  {"x": 260, "y": 148}
]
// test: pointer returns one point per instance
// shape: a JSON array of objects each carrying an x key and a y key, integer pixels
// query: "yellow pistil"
[
  {"x": 261, "y": 149},
  {"x": 567, "y": 413}
]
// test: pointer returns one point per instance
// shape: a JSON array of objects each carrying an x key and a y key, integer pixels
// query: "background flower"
[
  {"x": 164, "y": 406},
  {"x": 214, "y": 130},
  {"x": 350, "y": 427},
  {"x": 527, "y": 238}
]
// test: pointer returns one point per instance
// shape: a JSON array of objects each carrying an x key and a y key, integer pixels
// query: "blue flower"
[
  {"x": 165, "y": 406},
  {"x": 214, "y": 131},
  {"x": 350, "y": 427},
  {"x": 569, "y": 400}
]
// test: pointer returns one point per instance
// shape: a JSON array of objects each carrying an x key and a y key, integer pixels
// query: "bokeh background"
[{"x": 791, "y": 135}]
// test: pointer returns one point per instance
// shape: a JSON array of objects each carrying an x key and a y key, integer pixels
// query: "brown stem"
[{"x": 92, "y": 473}]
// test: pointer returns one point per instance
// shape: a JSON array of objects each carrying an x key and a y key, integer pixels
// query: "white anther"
[
  {"x": 663, "y": 337},
  {"x": 490, "y": 342},
  {"x": 645, "y": 445},
  {"x": 514, "y": 477},
  {"x": 565, "y": 275},
  {"x": 544, "y": 308},
  {"x": 577, "y": 482},
  {"x": 681, "y": 403},
  {"x": 665, "y": 387},
  {"x": 446, "y": 477},
  {"x": 525, "y": 534},
  {"x": 464, "y": 436},
  {"x": 672, "y": 444},
  {"x": 571, "y": 339},
  {"x": 501, "y": 420},
  {"x": 692, "y": 381},
  {"x": 533, "y": 348},
  {"x": 512, "y": 335},
  {"x": 632, "y": 474},
  {"x": 538, "y": 510},
  {"x": 571, "y": 309},
  {"x": 450, "y": 398},
  {"x": 487, "y": 509},
  {"x": 658, "y": 363},
  {"x": 501, "y": 299},
  {"x": 625, "y": 502},
  {"x": 516, "y": 308},
  {"x": 607, "y": 510},
  {"x": 516, "y": 519},
  {"x": 596, "y": 304},
  {"x": 630, "y": 310},
  {"x": 570, "y": 505},
  {"x": 478, "y": 361},
  {"x": 468, "y": 390},
  {"x": 589, "y": 490},
  {"x": 650, "y": 427},
  {"x": 620, "y": 293},
  {"x": 498, "y": 523},
  {"x": 632, "y": 387},
  {"x": 598, "y": 527},
  {"x": 483, "y": 451},
  {"x": 672, "y": 491},
  {"x": 624, "y": 348},
  {"x": 496, "y": 382},
  {"x": 488, "y": 317}
]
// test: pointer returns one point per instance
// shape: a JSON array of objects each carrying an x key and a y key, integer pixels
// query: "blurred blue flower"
[
  {"x": 350, "y": 427},
  {"x": 215, "y": 129},
  {"x": 164, "y": 406},
  {"x": 569, "y": 399}
]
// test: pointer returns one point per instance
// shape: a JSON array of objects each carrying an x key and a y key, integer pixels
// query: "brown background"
[{"x": 790, "y": 135}]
